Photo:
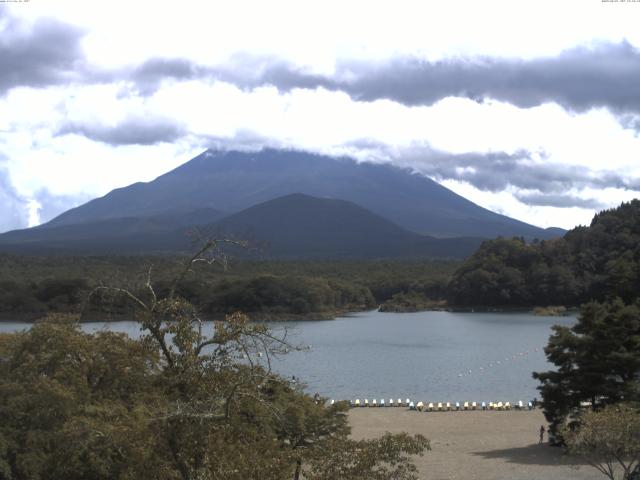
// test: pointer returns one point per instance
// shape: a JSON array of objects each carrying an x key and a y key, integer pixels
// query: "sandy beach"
[{"x": 475, "y": 445}]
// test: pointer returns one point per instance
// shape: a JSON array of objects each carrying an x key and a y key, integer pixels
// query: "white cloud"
[{"x": 318, "y": 37}]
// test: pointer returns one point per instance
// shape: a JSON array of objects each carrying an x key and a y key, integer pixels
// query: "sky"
[{"x": 528, "y": 108}]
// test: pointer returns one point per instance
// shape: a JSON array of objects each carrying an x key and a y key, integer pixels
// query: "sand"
[{"x": 475, "y": 445}]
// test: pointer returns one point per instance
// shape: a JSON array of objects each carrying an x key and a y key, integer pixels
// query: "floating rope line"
[{"x": 493, "y": 364}]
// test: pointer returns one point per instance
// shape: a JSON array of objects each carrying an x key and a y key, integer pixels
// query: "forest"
[
  {"x": 32, "y": 286},
  {"x": 598, "y": 262}
]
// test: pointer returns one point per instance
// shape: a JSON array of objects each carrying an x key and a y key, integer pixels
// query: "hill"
[
  {"x": 598, "y": 262},
  {"x": 301, "y": 226}
]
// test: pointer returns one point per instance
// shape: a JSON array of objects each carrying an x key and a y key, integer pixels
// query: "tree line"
[
  {"x": 598, "y": 262},
  {"x": 33, "y": 286}
]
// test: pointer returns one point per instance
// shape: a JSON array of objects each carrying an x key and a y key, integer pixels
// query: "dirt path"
[{"x": 475, "y": 445}]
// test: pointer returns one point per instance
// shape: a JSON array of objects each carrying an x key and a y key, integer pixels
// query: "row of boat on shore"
[{"x": 442, "y": 406}]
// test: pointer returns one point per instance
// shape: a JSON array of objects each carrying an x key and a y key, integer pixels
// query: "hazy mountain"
[
  {"x": 293, "y": 226},
  {"x": 112, "y": 235},
  {"x": 299, "y": 225},
  {"x": 232, "y": 181}
]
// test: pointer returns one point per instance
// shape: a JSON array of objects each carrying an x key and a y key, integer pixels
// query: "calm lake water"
[{"x": 429, "y": 356}]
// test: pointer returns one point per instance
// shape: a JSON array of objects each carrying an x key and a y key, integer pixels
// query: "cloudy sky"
[{"x": 529, "y": 108}]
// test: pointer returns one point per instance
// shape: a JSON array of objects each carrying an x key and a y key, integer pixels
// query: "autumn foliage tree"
[
  {"x": 609, "y": 440},
  {"x": 187, "y": 400}
]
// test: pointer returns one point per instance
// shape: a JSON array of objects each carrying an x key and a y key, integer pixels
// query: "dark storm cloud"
[
  {"x": 578, "y": 79},
  {"x": 45, "y": 53},
  {"x": 148, "y": 76},
  {"x": 558, "y": 200},
  {"x": 48, "y": 52},
  {"x": 132, "y": 131},
  {"x": 537, "y": 180}
]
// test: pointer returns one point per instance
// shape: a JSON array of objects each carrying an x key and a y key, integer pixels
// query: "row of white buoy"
[
  {"x": 441, "y": 406},
  {"x": 498, "y": 363}
]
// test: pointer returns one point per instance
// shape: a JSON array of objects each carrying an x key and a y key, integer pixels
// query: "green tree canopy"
[{"x": 597, "y": 360}]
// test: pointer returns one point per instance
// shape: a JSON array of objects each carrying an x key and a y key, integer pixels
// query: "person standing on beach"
[{"x": 541, "y": 434}]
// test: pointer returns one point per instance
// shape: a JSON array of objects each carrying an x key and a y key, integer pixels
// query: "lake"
[{"x": 429, "y": 356}]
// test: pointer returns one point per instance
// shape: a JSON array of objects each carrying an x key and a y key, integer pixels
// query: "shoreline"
[
  {"x": 260, "y": 317},
  {"x": 478, "y": 445}
]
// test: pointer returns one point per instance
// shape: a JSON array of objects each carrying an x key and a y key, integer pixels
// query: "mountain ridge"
[
  {"x": 294, "y": 226},
  {"x": 232, "y": 181}
]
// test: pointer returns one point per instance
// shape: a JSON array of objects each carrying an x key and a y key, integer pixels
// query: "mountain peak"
[{"x": 231, "y": 181}]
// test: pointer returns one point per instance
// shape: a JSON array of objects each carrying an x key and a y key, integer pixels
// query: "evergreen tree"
[{"x": 597, "y": 360}]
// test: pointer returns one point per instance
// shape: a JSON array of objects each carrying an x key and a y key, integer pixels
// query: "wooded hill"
[{"x": 597, "y": 262}]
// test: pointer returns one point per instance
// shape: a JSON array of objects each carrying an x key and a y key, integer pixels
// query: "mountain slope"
[
  {"x": 299, "y": 225},
  {"x": 112, "y": 235},
  {"x": 293, "y": 226},
  {"x": 232, "y": 181}
]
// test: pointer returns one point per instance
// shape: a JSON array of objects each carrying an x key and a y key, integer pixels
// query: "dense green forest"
[
  {"x": 598, "y": 262},
  {"x": 31, "y": 286}
]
